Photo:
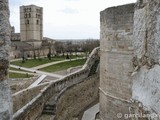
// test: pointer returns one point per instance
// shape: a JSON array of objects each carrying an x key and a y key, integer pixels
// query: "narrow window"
[
  {"x": 27, "y": 21},
  {"x": 37, "y": 22},
  {"x": 25, "y": 16},
  {"x": 29, "y": 15}
]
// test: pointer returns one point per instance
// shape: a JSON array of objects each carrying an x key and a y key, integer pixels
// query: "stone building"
[
  {"x": 30, "y": 40},
  {"x": 31, "y": 23},
  {"x": 130, "y": 62}
]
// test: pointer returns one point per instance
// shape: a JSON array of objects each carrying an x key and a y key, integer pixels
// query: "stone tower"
[
  {"x": 116, "y": 61},
  {"x": 31, "y": 23},
  {"x": 130, "y": 62}
]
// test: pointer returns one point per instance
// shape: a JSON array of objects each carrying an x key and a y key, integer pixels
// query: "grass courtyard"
[
  {"x": 36, "y": 62},
  {"x": 52, "y": 68},
  {"x": 33, "y": 62},
  {"x": 64, "y": 65},
  {"x": 18, "y": 75}
]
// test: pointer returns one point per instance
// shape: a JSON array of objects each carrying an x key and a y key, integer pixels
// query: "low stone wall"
[
  {"x": 21, "y": 98},
  {"x": 34, "y": 108},
  {"x": 74, "y": 99}
]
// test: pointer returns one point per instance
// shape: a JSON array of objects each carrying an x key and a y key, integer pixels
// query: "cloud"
[
  {"x": 67, "y": 18},
  {"x": 72, "y": 31},
  {"x": 69, "y": 10},
  {"x": 72, "y": 0}
]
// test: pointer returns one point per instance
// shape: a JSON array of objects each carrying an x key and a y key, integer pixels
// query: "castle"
[{"x": 129, "y": 72}]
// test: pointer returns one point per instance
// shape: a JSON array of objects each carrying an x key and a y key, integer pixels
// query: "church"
[{"x": 30, "y": 41}]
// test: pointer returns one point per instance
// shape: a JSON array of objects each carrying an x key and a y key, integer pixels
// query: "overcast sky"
[{"x": 67, "y": 19}]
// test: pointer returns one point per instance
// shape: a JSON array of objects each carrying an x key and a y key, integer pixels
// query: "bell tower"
[{"x": 31, "y": 23}]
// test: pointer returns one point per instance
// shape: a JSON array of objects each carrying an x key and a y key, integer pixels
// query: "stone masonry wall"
[
  {"x": 5, "y": 32},
  {"x": 22, "y": 97},
  {"x": 76, "y": 98},
  {"x": 116, "y": 60},
  {"x": 129, "y": 83},
  {"x": 146, "y": 79}
]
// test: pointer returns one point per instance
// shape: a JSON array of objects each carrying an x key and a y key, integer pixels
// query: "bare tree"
[
  {"x": 89, "y": 45},
  {"x": 75, "y": 48},
  {"x": 59, "y": 47},
  {"x": 5, "y": 30}
]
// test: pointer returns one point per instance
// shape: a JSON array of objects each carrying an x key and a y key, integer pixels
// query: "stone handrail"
[{"x": 36, "y": 104}]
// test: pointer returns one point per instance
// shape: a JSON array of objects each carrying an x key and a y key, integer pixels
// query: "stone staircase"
[
  {"x": 48, "y": 112},
  {"x": 93, "y": 68},
  {"x": 49, "y": 109}
]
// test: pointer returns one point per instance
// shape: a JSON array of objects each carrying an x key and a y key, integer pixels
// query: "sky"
[{"x": 67, "y": 19}]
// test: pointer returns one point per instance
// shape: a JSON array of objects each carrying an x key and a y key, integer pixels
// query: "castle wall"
[
  {"x": 74, "y": 99},
  {"x": 22, "y": 97},
  {"x": 116, "y": 60}
]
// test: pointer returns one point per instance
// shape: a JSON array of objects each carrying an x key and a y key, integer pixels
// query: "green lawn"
[
  {"x": 36, "y": 62},
  {"x": 18, "y": 75},
  {"x": 64, "y": 65},
  {"x": 11, "y": 68}
]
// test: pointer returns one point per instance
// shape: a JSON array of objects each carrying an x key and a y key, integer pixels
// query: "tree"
[
  {"x": 59, "y": 47},
  {"x": 89, "y": 45},
  {"x": 75, "y": 48},
  {"x": 69, "y": 47},
  {"x": 5, "y": 94}
]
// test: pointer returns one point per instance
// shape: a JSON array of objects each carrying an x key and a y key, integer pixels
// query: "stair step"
[
  {"x": 48, "y": 112},
  {"x": 46, "y": 117},
  {"x": 49, "y": 109}
]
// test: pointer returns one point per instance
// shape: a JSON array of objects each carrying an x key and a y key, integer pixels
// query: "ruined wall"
[
  {"x": 146, "y": 44},
  {"x": 5, "y": 31},
  {"x": 76, "y": 98},
  {"x": 116, "y": 60}
]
